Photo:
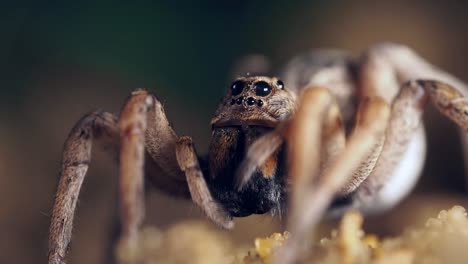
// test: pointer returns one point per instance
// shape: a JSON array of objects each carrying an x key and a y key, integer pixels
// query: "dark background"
[{"x": 60, "y": 60}]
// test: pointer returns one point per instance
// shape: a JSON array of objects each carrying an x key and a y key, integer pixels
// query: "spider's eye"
[
  {"x": 237, "y": 87},
  {"x": 280, "y": 84},
  {"x": 262, "y": 88}
]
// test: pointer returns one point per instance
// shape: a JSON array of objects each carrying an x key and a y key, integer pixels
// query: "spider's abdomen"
[{"x": 263, "y": 193}]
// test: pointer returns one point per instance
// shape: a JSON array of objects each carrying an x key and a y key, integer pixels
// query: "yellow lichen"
[{"x": 443, "y": 239}]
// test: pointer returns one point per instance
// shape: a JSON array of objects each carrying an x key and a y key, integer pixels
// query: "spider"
[{"x": 336, "y": 132}]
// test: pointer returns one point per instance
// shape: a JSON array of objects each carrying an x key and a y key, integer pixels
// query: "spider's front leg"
[
  {"x": 313, "y": 190},
  {"x": 143, "y": 123},
  {"x": 315, "y": 128}
]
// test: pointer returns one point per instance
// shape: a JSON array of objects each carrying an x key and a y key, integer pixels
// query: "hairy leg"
[
  {"x": 333, "y": 137},
  {"x": 395, "y": 64},
  {"x": 315, "y": 130},
  {"x": 132, "y": 125},
  {"x": 405, "y": 122},
  {"x": 99, "y": 126},
  {"x": 142, "y": 126},
  {"x": 160, "y": 143},
  {"x": 201, "y": 196},
  {"x": 384, "y": 69},
  {"x": 371, "y": 123},
  {"x": 316, "y": 115},
  {"x": 408, "y": 65}
]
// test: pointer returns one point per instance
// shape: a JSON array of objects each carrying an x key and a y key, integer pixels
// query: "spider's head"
[
  {"x": 252, "y": 107},
  {"x": 255, "y": 100}
]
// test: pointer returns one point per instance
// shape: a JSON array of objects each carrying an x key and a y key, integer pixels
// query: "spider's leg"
[
  {"x": 448, "y": 100},
  {"x": 372, "y": 120},
  {"x": 408, "y": 65},
  {"x": 333, "y": 137},
  {"x": 100, "y": 126},
  {"x": 384, "y": 69},
  {"x": 307, "y": 139},
  {"x": 201, "y": 196},
  {"x": 160, "y": 143},
  {"x": 404, "y": 130},
  {"x": 143, "y": 123},
  {"x": 132, "y": 125},
  {"x": 385, "y": 63},
  {"x": 406, "y": 123}
]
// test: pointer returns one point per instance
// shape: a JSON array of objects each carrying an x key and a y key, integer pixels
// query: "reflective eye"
[
  {"x": 262, "y": 88},
  {"x": 280, "y": 84},
  {"x": 237, "y": 87}
]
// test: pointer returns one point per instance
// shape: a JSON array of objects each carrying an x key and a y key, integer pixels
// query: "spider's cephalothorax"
[{"x": 252, "y": 107}]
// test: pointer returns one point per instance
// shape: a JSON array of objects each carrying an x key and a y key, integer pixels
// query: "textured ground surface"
[{"x": 442, "y": 239}]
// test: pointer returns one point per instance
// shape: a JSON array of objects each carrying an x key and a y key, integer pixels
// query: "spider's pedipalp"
[
  {"x": 76, "y": 158},
  {"x": 201, "y": 196}
]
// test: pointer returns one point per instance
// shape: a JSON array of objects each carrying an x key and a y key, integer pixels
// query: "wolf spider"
[{"x": 338, "y": 133}]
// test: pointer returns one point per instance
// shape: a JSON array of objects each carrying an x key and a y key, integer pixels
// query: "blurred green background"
[{"x": 59, "y": 60}]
